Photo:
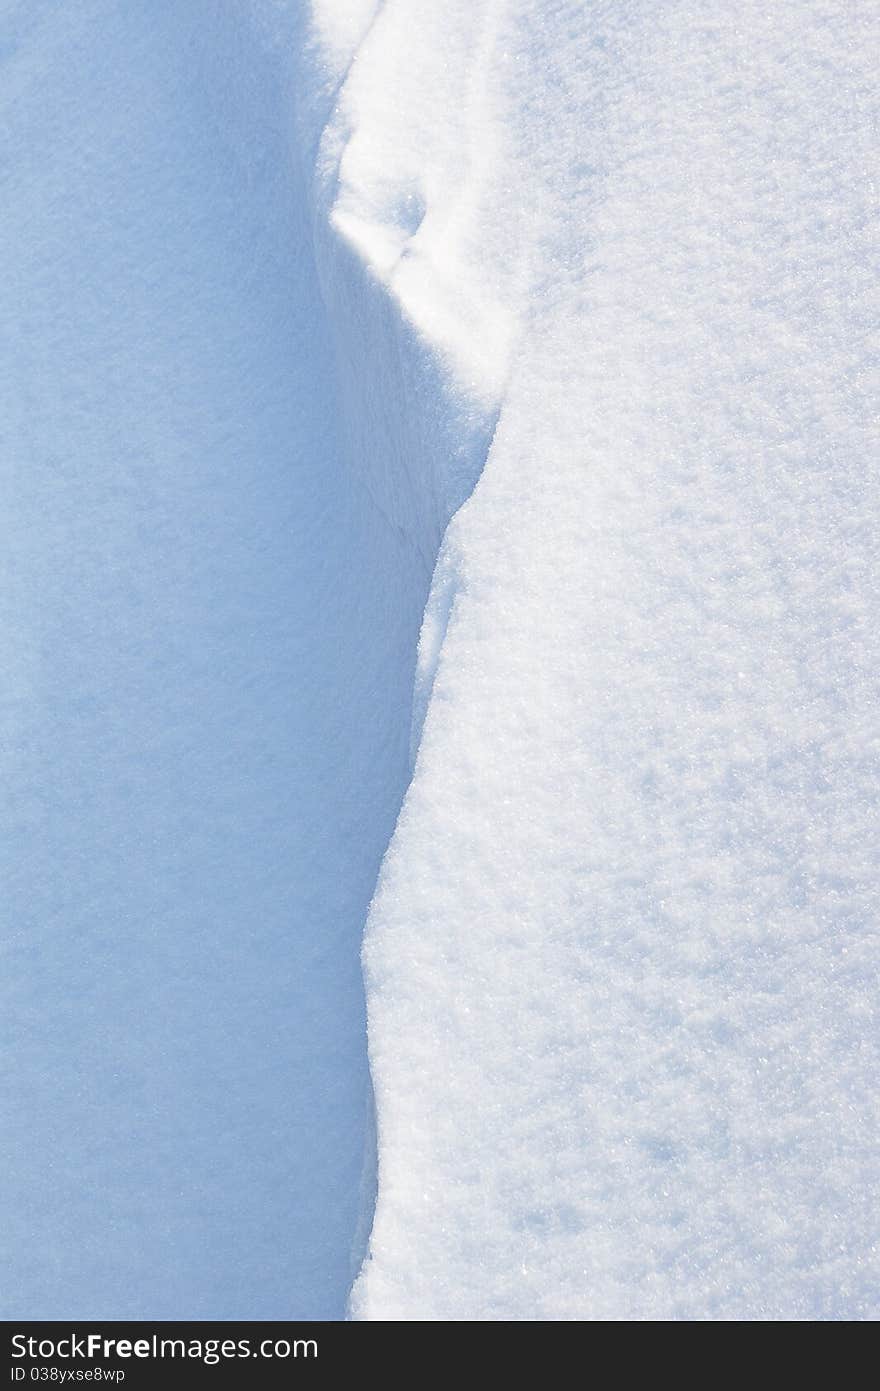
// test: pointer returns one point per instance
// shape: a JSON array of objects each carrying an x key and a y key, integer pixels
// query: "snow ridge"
[{"x": 423, "y": 336}]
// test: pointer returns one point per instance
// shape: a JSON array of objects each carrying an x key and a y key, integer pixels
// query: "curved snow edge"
[{"x": 417, "y": 417}]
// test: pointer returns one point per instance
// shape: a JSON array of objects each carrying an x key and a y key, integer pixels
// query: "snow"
[
  {"x": 282, "y": 284},
  {"x": 209, "y": 643},
  {"x": 621, "y": 965}
]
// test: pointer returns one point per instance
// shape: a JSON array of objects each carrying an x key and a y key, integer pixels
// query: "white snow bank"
[
  {"x": 621, "y": 964},
  {"x": 620, "y": 967}
]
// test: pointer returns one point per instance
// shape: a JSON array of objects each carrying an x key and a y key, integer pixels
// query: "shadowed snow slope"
[
  {"x": 621, "y": 965},
  {"x": 210, "y": 624}
]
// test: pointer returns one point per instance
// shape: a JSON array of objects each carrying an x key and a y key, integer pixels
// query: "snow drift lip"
[
  {"x": 422, "y": 342},
  {"x": 407, "y": 196}
]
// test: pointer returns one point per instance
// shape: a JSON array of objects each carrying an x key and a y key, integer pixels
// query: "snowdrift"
[
  {"x": 283, "y": 279},
  {"x": 621, "y": 965}
]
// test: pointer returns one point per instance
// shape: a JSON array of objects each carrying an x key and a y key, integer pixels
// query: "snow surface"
[
  {"x": 621, "y": 966},
  {"x": 278, "y": 279}
]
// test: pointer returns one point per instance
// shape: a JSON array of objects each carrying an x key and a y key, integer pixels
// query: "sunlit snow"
[{"x": 466, "y": 406}]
